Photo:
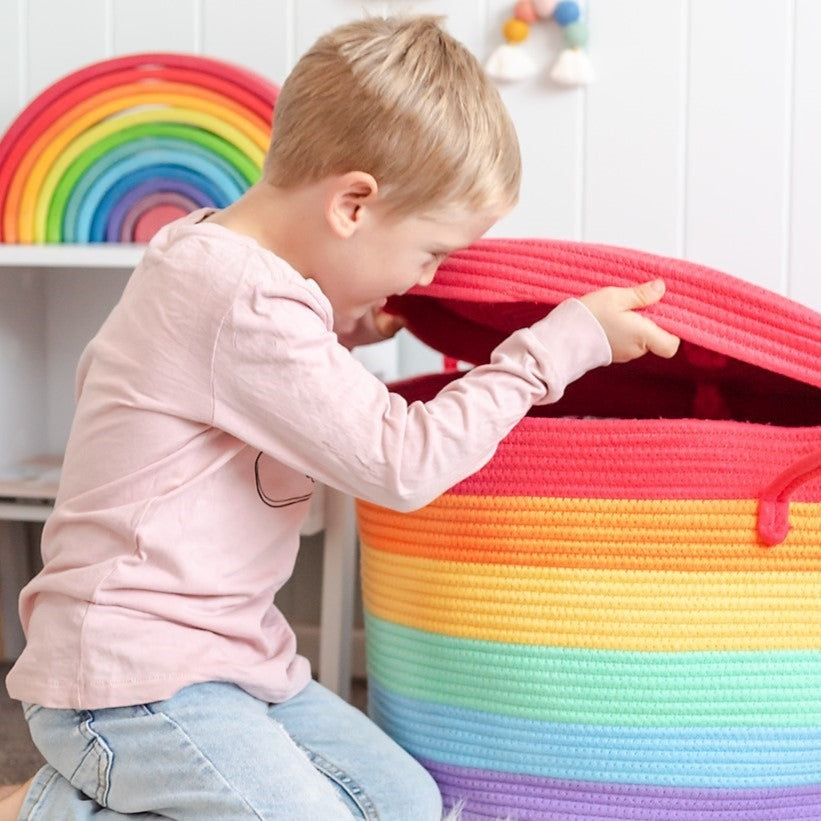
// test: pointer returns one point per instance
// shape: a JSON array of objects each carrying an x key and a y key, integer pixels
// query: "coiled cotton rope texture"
[{"x": 593, "y": 625}]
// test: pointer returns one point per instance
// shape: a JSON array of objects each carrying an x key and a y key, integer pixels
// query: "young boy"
[{"x": 159, "y": 679}]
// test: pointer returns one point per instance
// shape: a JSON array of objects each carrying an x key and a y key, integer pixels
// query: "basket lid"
[{"x": 487, "y": 291}]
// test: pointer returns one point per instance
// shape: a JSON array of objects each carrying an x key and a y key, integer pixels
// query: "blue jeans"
[{"x": 213, "y": 752}]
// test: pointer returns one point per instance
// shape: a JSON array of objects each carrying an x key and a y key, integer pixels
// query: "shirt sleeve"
[{"x": 282, "y": 383}]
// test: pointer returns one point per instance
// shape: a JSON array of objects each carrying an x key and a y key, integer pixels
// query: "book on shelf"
[{"x": 31, "y": 481}]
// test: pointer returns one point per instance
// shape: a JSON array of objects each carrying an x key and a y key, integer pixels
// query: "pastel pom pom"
[
  {"x": 510, "y": 63},
  {"x": 567, "y": 12},
  {"x": 545, "y": 8},
  {"x": 525, "y": 12},
  {"x": 573, "y": 68},
  {"x": 516, "y": 31},
  {"x": 576, "y": 34}
]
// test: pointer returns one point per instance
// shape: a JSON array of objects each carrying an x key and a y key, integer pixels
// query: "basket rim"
[{"x": 527, "y": 277}]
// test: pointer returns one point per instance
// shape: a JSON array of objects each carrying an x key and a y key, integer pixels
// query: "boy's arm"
[{"x": 283, "y": 384}]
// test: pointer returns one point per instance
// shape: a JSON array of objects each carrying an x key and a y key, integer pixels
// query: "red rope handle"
[{"x": 774, "y": 506}]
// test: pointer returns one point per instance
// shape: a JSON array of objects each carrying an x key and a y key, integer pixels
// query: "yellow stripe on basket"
[
  {"x": 596, "y": 609},
  {"x": 678, "y": 534}
]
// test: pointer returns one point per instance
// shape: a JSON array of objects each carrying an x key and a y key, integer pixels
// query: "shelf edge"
[{"x": 92, "y": 255}]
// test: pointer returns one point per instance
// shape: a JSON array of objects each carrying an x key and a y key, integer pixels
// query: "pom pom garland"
[
  {"x": 511, "y": 63},
  {"x": 576, "y": 34},
  {"x": 526, "y": 12},
  {"x": 567, "y": 12},
  {"x": 545, "y": 8},
  {"x": 573, "y": 66},
  {"x": 515, "y": 30}
]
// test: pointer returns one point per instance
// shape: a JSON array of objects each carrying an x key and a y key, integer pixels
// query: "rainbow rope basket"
[{"x": 619, "y": 616}]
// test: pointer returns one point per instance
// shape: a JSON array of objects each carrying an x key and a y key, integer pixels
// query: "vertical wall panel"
[
  {"x": 549, "y": 120},
  {"x": 22, "y": 365},
  {"x": 738, "y": 142},
  {"x": 11, "y": 44},
  {"x": 635, "y": 125},
  {"x": 155, "y": 25},
  {"x": 465, "y": 21},
  {"x": 805, "y": 211},
  {"x": 313, "y": 18},
  {"x": 60, "y": 38},
  {"x": 254, "y": 33}
]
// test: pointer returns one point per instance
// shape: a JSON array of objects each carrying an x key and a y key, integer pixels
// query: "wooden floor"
[{"x": 19, "y": 759}]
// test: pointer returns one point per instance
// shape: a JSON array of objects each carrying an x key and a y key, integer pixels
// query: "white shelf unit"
[{"x": 52, "y": 300}]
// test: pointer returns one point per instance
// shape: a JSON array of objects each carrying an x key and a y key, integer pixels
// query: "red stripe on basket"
[{"x": 643, "y": 459}]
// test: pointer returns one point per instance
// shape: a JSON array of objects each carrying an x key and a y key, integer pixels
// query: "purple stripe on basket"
[{"x": 488, "y": 794}]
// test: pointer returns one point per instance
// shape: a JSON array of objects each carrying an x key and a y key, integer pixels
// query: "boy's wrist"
[{"x": 573, "y": 342}]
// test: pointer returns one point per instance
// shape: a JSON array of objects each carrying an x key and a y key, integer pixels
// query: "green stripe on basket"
[{"x": 774, "y": 688}]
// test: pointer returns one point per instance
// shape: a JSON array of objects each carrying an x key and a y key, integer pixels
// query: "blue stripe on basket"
[{"x": 729, "y": 757}]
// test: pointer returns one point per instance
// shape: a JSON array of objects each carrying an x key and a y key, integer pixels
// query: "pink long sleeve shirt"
[{"x": 213, "y": 396}]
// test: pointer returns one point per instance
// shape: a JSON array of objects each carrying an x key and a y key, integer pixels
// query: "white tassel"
[
  {"x": 510, "y": 62},
  {"x": 573, "y": 68}
]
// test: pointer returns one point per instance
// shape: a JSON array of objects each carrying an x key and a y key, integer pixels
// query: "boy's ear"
[{"x": 347, "y": 195}]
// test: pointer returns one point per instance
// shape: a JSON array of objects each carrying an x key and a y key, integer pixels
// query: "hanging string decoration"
[{"x": 512, "y": 62}]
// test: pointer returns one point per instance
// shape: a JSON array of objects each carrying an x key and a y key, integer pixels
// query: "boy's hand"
[
  {"x": 386, "y": 325},
  {"x": 375, "y": 326},
  {"x": 630, "y": 334}
]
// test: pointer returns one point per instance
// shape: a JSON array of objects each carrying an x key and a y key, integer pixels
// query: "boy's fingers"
[
  {"x": 640, "y": 296},
  {"x": 661, "y": 343},
  {"x": 388, "y": 324}
]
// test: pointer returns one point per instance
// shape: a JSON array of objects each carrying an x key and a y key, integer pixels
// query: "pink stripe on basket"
[{"x": 646, "y": 459}]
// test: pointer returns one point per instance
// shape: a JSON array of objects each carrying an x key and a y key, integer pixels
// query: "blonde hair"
[{"x": 401, "y": 99}]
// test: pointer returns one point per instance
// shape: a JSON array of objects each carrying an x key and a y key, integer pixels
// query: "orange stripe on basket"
[{"x": 683, "y": 534}]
